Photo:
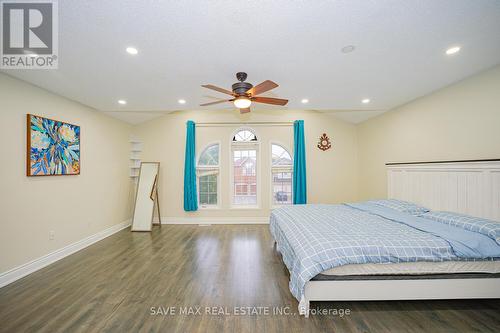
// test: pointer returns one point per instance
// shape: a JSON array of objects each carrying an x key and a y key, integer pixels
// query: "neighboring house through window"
[
  {"x": 244, "y": 149},
  {"x": 281, "y": 175},
  {"x": 208, "y": 176},
  {"x": 244, "y": 177}
]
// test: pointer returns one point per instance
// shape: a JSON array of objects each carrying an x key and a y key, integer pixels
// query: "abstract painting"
[{"x": 53, "y": 147}]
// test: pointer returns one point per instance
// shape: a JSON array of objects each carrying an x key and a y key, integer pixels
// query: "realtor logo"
[{"x": 29, "y": 34}]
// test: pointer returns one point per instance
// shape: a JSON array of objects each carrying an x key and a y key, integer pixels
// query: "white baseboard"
[
  {"x": 39, "y": 263},
  {"x": 214, "y": 220}
]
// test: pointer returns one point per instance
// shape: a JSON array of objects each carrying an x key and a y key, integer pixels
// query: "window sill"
[
  {"x": 208, "y": 207},
  {"x": 245, "y": 207}
]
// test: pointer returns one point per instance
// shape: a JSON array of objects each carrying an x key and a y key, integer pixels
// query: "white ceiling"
[{"x": 399, "y": 55}]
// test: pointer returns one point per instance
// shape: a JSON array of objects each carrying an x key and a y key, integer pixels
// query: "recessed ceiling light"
[
  {"x": 348, "y": 48},
  {"x": 122, "y": 101},
  {"x": 304, "y": 101},
  {"x": 365, "y": 101},
  {"x": 453, "y": 50},
  {"x": 132, "y": 50},
  {"x": 182, "y": 101}
]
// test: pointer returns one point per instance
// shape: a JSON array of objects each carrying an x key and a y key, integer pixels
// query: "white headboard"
[{"x": 469, "y": 187}]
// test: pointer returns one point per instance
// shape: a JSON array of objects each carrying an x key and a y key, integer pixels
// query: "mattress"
[{"x": 417, "y": 268}]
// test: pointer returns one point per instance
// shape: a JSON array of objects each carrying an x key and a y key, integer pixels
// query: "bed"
[{"x": 372, "y": 251}]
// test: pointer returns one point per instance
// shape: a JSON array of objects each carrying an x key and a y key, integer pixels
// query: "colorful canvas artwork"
[{"x": 53, "y": 147}]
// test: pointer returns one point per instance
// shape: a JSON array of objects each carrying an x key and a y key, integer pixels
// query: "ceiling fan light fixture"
[
  {"x": 244, "y": 93},
  {"x": 242, "y": 102}
]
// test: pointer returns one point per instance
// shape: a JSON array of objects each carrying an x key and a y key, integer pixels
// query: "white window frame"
[
  {"x": 211, "y": 167},
  {"x": 242, "y": 145},
  {"x": 285, "y": 147}
]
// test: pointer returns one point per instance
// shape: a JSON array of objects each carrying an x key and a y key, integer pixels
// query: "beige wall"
[
  {"x": 459, "y": 122},
  {"x": 74, "y": 207},
  {"x": 331, "y": 175}
]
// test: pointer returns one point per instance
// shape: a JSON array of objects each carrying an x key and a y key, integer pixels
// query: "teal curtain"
[
  {"x": 299, "y": 164},
  {"x": 190, "y": 193}
]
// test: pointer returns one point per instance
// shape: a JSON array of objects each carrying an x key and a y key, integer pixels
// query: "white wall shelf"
[{"x": 135, "y": 157}]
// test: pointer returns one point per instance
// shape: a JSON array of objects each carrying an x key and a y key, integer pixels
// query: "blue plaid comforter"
[{"x": 315, "y": 238}]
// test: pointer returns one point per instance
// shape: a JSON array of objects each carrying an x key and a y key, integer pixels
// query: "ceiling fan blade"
[
  {"x": 262, "y": 87},
  {"x": 216, "y": 102},
  {"x": 222, "y": 90},
  {"x": 269, "y": 100},
  {"x": 242, "y": 111}
]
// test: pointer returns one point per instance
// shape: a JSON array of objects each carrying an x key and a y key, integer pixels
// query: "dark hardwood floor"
[{"x": 112, "y": 286}]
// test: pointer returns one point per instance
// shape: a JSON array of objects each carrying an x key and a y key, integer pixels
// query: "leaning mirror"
[{"x": 146, "y": 196}]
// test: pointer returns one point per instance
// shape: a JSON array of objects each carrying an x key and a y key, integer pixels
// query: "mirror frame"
[{"x": 149, "y": 195}]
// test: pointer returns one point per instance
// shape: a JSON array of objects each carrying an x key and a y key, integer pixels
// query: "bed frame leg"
[{"x": 304, "y": 307}]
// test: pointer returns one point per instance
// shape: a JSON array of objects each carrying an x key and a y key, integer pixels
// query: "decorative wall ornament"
[
  {"x": 53, "y": 147},
  {"x": 324, "y": 142}
]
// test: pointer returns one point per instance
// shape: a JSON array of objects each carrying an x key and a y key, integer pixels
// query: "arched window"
[
  {"x": 244, "y": 148},
  {"x": 208, "y": 176},
  {"x": 281, "y": 175},
  {"x": 244, "y": 136}
]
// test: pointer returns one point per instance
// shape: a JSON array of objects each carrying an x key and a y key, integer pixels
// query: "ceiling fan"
[{"x": 244, "y": 93}]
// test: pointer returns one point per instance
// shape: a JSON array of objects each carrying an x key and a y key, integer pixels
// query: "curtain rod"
[{"x": 243, "y": 123}]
